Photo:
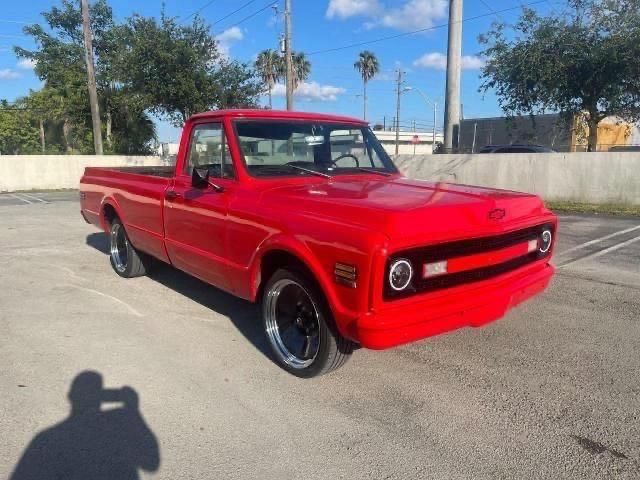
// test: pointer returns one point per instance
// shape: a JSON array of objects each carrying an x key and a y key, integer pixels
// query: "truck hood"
[{"x": 409, "y": 210}]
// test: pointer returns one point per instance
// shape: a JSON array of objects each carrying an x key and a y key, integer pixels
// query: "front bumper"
[{"x": 472, "y": 305}]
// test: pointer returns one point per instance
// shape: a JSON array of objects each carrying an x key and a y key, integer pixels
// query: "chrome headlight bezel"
[
  {"x": 546, "y": 241},
  {"x": 398, "y": 264}
]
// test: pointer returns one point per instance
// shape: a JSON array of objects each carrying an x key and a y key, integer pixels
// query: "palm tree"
[
  {"x": 301, "y": 68},
  {"x": 269, "y": 67},
  {"x": 368, "y": 67}
]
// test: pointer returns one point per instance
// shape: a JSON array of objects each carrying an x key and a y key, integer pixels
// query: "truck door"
[{"x": 196, "y": 218}]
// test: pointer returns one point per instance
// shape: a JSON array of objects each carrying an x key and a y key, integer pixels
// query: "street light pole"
[
  {"x": 435, "y": 119},
  {"x": 435, "y": 113},
  {"x": 288, "y": 53},
  {"x": 454, "y": 54}
]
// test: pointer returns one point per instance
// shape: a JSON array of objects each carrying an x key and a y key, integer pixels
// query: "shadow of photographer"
[{"x": 93, "y": 442}]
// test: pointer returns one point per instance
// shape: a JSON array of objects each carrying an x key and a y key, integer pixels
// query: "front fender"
[{"x": 298, "y": 249}]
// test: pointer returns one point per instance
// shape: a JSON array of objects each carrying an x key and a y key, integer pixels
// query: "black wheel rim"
[{"x": 292, "y": 323}]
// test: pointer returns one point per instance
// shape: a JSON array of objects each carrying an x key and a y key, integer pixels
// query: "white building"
[{"x": 411, "y": 143}]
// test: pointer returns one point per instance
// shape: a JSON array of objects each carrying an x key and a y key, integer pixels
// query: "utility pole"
[
  {"x": 288, "y": 53},
  {"x": 399, "y": 94},
  {"x": 452, "y": 100},
  {"x": 91, "y": 78}
]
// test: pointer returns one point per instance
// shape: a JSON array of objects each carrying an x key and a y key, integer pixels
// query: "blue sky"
[{"x": 318, "y": 25}]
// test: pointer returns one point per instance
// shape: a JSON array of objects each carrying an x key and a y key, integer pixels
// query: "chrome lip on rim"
[
  {"x": 119, "y": 245},
  {"x": 305, "y": 329}
]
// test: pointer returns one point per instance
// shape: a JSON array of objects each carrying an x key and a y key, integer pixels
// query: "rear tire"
[
  {"x": 125, "y": 259},
  {"x": 299, "y": 326}
]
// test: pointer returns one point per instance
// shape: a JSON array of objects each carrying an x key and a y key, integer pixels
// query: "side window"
[{"x": 208, "y": 148}]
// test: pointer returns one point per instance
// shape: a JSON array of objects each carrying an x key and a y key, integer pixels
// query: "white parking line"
[
  {"x": 613, "y": 248},
  {"x": 111, "y": 297},
  {"x": 598, "y": 240},
  {"x": 14, "y": 195},
  {"x": 33, "y": 197},
  {"x": 599, "y": 253}
]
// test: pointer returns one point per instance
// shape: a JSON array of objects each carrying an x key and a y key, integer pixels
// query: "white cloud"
[
  {"x": 352, "y": 8},
  {"x": 471, "y": 62},
  {"x": 26, "y": 64},
  {"x": 227, "y": 38},
  {"x": 438, "y": 61},
  {"x": 8, "y": 74},
  {"x": 311, "y": 92},
  {"x": 411, "y": 15},
  {"x": 415, "y": 14}
]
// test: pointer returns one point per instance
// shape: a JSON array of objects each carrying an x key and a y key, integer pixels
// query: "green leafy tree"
[
  {"x": 269, "y": 67},
  {"x": 62, "y": 106},
  {"x": 368, "y": 66},
  {"x": 585, "y": 61},
  {"x": 18, "y": 135},
  {"x": 59, "y": 61},
  {"x": 180, "y": 70},
  {"x": 301, "y": 68}
]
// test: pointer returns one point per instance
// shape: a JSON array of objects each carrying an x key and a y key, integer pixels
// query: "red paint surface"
[
  {"x": 357, "y": 219},
  {"x": 470, "y": 262}
]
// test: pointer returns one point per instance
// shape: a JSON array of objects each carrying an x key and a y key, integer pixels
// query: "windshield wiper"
[
  {"x": 308, "y": 170},
  {"x": 371, "y": 170}
]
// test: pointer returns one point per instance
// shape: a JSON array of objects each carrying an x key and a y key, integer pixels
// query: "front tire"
[
  {"x": 299, "y": 326},
  {"x": 125, "y": 259}
]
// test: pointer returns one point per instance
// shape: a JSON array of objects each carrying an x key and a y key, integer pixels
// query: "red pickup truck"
[{"x": 308, "y": 215}]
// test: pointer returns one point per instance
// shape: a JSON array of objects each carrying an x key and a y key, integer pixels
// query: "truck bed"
[{"x": 155, "y": 171}]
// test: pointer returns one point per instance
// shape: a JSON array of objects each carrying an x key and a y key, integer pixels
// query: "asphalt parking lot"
[{"x": 551, "y": 391}]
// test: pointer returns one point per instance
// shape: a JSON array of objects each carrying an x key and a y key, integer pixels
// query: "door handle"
[{"x": 171, "y": 195}]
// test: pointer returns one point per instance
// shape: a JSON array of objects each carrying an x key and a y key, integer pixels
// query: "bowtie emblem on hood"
[{"x": 497, "y": 214}]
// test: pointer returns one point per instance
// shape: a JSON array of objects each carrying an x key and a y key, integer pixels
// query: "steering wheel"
[{"x": 345, "y": 155}]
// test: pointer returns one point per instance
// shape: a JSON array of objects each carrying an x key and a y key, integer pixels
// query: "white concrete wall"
[
  {"x": 606, "y": 177},
  {"x": 407, "y": 149},
  {"x": 44, "y": 172}
]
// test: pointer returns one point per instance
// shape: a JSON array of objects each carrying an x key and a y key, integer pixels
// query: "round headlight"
[
  {"x": 545, "y": 241},
  {"x": 400, "y": 274}
]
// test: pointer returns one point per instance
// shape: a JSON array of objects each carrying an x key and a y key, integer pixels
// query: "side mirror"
[{"x": 200, "y": 177}]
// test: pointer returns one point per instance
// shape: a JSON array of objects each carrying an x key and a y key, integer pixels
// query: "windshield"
[{"x": 277, "y": 148}]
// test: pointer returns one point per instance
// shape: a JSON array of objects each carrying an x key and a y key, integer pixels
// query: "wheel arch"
[
  {"x": 109, "y": 209},
  {"x": 282, "y": 252}
]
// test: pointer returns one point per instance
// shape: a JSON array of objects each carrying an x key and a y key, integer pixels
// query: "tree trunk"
[
  {"x": 66, "y": 133},
  {"x": 270, "y": 101},
  {"x": 592, "y": 142},
  {"x": 108, "y": 132},
  {"x": 42, "y": 139},
  {"x": 365, "y": 100}
]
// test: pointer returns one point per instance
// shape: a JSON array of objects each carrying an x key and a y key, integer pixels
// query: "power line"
[
  {"x": 490, "y": 8},
  {"x": 269, "y": 5},
  {"x": 413, "y": 32},
  {"x": 197, "y": 11},
  {"x": 234, "y": 12}
]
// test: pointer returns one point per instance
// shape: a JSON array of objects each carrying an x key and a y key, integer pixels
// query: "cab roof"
[{"x": 277, "y": 114}]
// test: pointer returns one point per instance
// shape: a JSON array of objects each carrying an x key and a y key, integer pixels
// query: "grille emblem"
[{"x": 497, "y": 214}]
